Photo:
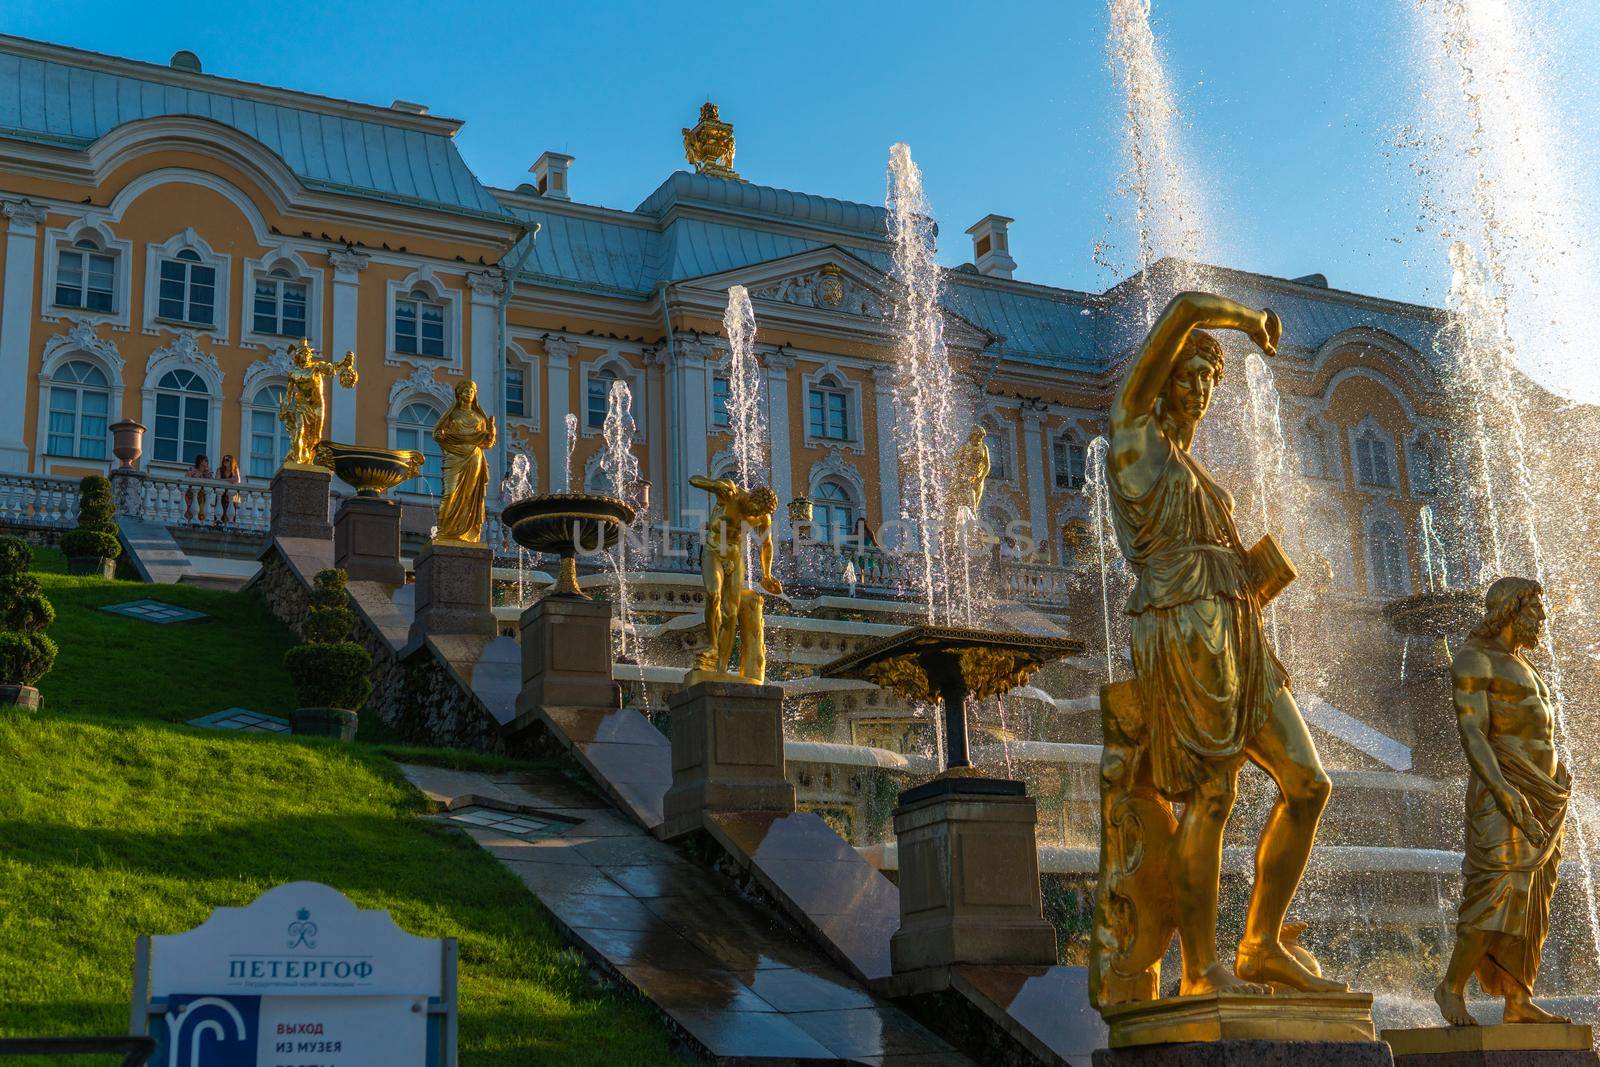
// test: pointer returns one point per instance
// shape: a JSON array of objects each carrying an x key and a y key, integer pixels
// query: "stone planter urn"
[
  {"x": 20, "y": 698},
  {"x": 127, "y": 442},
  {"x": 324, "y": 722}
]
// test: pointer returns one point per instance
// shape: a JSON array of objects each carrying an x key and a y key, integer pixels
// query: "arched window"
[
  {"x": 1422, "y": 466},
  {"x": 188, "y": 290},
  {"x": 183, "y": 417},
  {"x": 828, "y": 409},
  {"x": 269, "y": 440},
  {"x": 834, "y": 511},
  {"x": 419, "y": 324},
  {"x": 516, "y": 388},
  {"x": 413, "y": 429},
  {"x": 1372, "y": 459},
  {"x": 80, "y": 399},
  {"x": 599, "y": 389},
  {"x": 1386, "y": 555},
  {"x": 85, "y": 277},
  {"x": 999, "y": 447},
  {"x": 1315, "y": 458},
  {"x": 280, "y": 304},
  {"x": 721, "y": 390},
  {"x": 1068, "y": 458}
]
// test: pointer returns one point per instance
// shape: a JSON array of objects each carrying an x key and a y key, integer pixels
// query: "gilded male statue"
[
  {"x": 1516, "y": 806},
  {"x": 731, "y": 609},
  {"x": 971, "y": 472},
  {"x": 1210, "y": 692},
  {"x": 303, "y": 409}
]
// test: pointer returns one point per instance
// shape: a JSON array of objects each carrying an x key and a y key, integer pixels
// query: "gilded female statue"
[
  {"x": 463, "y": 433},
  {"x": 1211, "y": 692}
]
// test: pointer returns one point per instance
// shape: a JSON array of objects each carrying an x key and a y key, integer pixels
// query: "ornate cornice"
[
  {"x": 81, "y": 336},
  {"x": 24, "y": 214},
  {"x": 559, "y": 349},
  {"x": 276, "y": 365},
  {"x": 488, "y": 286},
  {"x": 421, "y": 380},
  {"x": 347, "y": 263},
  {"x": 184, "y": 350}
]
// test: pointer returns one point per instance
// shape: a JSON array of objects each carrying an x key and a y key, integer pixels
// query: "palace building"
[{"x": 170, "y": 232}]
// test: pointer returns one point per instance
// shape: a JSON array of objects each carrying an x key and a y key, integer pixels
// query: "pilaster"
[
  {"x": 686, "y": 384},
  {"x": 1033, "y": 416},
  {"x": 779, "y": 366},
  {"x": 888, "y": 442},
  {"x": 558, "y": 353},
  {"x": 16, "y": 327},
  {"x": 486, "y": 356},
  {"x": 347, "y": 266}
]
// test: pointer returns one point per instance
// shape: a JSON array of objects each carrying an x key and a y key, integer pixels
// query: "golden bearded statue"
[
  {"x": 709, "y": 145},
  {"x": 1208, "y": 694},
  {"x": 1516, "y": 807},
  {"x": 463, "y": 433},
  {"x": 303, "y": 409},
  {"x": 730, "y": 607}
]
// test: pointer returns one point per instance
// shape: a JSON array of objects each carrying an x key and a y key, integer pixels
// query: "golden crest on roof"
[{"x": 709, "y": 145}]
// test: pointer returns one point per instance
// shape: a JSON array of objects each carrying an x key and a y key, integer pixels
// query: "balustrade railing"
[
  {"x": 177, "y": 501},
  {"x": 1037, "y": 583},
  {"x": 42, "y": 500}
]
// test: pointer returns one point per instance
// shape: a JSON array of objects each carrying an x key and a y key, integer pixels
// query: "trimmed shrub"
[
  {"x": 26, "y": 654},
  {"x": 83, "y": 542},
  {"x": 329, "y": 670},
  {"x": 96, "y": 534}
]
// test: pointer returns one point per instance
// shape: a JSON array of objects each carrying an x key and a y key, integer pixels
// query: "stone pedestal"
[
  {"x": 566, "y": 654},
  {"x": 366, "y": 540},
  {"x": 127, "y": 491},
  {"x": 969, "y": 879},
  {"x": 727, "y": 754},
  {"x": 1503, "y": 1045},
  {"x": 1236, "y": 1030},
  {"x": 300, "y": 502},
  {"x": 452, "y": 595}
]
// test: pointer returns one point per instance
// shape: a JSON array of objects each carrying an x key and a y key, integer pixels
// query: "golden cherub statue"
[
  {"x": 730, "y": 607},
  {"x": 463, "y": 433},
  {"x": 303, "y": 409},
  {"x": 1516, "y": 807},
  {"x": 709, "y": 144},
  {"x": 1208, "y": 694}
]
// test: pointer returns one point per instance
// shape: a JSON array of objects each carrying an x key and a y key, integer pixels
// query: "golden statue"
[
  {"x": 1516, "y": 805},
  {"x": 1208, "y": 694},
  {"x": 303, "y": 409},
  {"x": 463, "y": 433},
  {"x": 709, "y": 145},
  {"x": 971, "y": 470},
  {"x": 730, "y": 607}
]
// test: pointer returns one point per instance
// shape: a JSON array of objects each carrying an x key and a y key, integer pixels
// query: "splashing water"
[
  {"x": 621, "y": 468},
  {"x": 518, "y": 485},
  {"x": 1434, "y": 570},
  {"x": 572, "y": 446},
  {"x": 1281, "y": 492},
  {"x": 744, "y": 389},
  {"x": 1098, "y": 491}
]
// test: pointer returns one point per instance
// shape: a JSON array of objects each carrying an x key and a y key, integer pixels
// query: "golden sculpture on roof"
[
  {"x": 303, "y": 409},
  {"x": 463, "y": 433},
  {"x": 709, "y": 145}
]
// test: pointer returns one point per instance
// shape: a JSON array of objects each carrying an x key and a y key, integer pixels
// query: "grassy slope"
[{"x": 114, "y": 823}]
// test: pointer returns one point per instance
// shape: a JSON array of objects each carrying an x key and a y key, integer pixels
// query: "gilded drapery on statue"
[
  {"x": 1208, "y": 693},
  {"x": 1517, "y": 796},
  {"x": 303, "y": 409},
  {"x": 464, "y": 433}
]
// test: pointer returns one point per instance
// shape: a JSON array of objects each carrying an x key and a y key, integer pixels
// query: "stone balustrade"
[
  {"x": 177, "y": 501},
  {"x": 38, "y": 500}
]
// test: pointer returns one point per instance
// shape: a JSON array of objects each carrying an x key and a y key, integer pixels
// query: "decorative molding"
[
  {"x": 81, "y": 336},
  {"x": 184, "y": 351},
  {"x": 419, "y": 381},
  {"x": 262, "y": 371},
  {"x": 835, "y": 466},
  {"x": 828, "y": 288},
  {"x": 347, "y": 264},
  {"x": 425, "y": 279},
  {"x": 779, "y": 361},
  {"x": 723, "y": 458},
  {"x": 559, "y": 350},
  {"x": 488, "y": 286},
  {"x": 855, "y": 415},
  {"x": 221, "y": 263},
  {"x": 25, "y": 215}
]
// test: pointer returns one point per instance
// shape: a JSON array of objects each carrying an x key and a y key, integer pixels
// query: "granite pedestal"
[
  {"x": 566, "y": 654},
  {"x": 127, "y": 491},
  {"x": 366, "y": 540},
  {"x": 452, "y": 594},
  {"x": 969, "y": 882},
  {"x": 1502, "y": 1045},
  {"x": 727, "y": 754},
  {"x": 1285, "y": 1029},
  {"x": 300, "y": 502}
]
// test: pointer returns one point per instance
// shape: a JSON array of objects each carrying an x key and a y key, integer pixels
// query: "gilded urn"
[
  {"x": 566, "y": 524},
  {"x": 369, "y": 471}
]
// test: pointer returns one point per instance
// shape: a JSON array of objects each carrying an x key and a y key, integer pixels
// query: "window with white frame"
[
  {"x": 183, "y": 417},
  {"x": 1068, "y": 459},
  {"x": 413, "y": 429},
  {"x": 279, "y": 307},
  {"x": 828, "y": 409},
  {"x": 999, "y": 446},
  {"x": 269, "y": 439},
  {"x": 80, "y": 402},
  {"x": 597, "y": 396},
  {"x": 833, "y": 512},
  {"x": 1316, "y": 459},
  {"x": 516, "y": 389},
  {"x": 188, "y": 290},
  {"x": 720, "y": 392},
  {"x": 1386, "y": 555},
  {"x": 419, "y": 322},
  {"x": 1422, "y": 466},
  {"x": 1372, "y": 459},
  {"x": 86, "y": 277}
]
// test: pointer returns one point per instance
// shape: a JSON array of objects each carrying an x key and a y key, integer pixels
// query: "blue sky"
[{"x": 1291, "y": 108}]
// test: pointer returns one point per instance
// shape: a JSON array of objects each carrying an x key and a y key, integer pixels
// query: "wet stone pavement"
[{"x": 731, "y": 979}]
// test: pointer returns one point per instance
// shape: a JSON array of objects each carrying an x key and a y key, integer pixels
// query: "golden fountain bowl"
[{"x": 370, "y": 471}]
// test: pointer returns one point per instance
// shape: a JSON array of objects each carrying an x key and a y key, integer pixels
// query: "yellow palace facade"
[{"x": 169, "y": 233}]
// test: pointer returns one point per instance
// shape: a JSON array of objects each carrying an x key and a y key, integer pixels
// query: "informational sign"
[{"x": 299, "y": 978}]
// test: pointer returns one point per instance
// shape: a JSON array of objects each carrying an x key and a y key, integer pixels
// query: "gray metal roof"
[{"x": 68, "y": 99}]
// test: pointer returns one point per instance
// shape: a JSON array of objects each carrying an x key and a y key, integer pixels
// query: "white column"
[
  {"x": 485, "y": 363},
  {"x": 888, "y": 442},
  {"x": 16, "y": 328},
  {"x": 558, "y": 353},
  {"x": 347, "y": 266},
  {"x": 687, "y": 384},
  {"x": 1033, "y": 416},
  {"x": 657, "y": 431},
  {"x": 779, "y": 366}
]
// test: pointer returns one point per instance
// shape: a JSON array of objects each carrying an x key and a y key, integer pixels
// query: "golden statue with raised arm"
[
  {"x": 463, "y": 433},
  {"x": 1208, "y": 693},
  {"x": 731, "y": 608},
  {"x": 1516, "y": 807},
  {"x": 303, "y": 409}
]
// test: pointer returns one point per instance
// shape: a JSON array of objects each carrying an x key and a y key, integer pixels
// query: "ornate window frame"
[
  {"x": 855, "y": 416},
  {"x": 1353, "y": 435},
  {"x": 80, "y": 340},
  {"x": 996, "y": 425},
  {"x": 1376, "y": 512},
  {"x": 62, "y": 239},
  {"x": 155, "y": 254},
  {"x": 1423, "y": 439},
  {"x": 273, "y": 370},
  {"x": 311, "y": 277},
  {"x": 183, "y": 352},
  {"x": 625, "y": 370},
  {"x": 425, "y": 279},
  {"x": 419, "y": 385},
  {"x": 835, "y": 468},
  {"x": 1069, "y": 434},
  {"x": 531, "y": 394}
]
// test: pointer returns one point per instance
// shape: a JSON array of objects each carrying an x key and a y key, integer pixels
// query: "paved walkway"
[{"x": 727, "y": 975}]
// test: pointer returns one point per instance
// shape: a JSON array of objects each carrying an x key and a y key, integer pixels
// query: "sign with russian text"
[{"x": 301, "y": 977}]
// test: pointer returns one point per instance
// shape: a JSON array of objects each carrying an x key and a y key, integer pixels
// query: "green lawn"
[{"x": 111, "y": 830}]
